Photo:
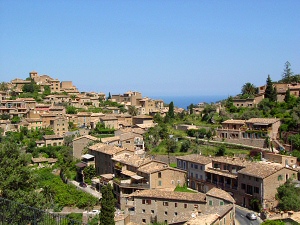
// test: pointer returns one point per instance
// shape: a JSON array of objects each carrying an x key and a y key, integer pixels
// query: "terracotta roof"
[
  {"x": 263, "y": 120},
  {"x": 84, "y": 114},
  {"x": 49, "y": 137},
  {"x": 224, "y": 173},
  {"x": 143, "y": 117},
  {"x": 88, "y": 137},
  {"x": 234, "y": 122},
  {"x": 232, "y": 161},
  {"x": 130, "y": 159},
  {"x": 152, "y": 166},
  {"x": 196, "y": 158},
  {"x": 104, "y": 148},
  {"x": 110, "y": 139},
  {"x": 170, "y": 195},
  {"x": 219, "y": 193},
  {"x": 105, "y": 118},
  {"x": 261, "y": 169}
]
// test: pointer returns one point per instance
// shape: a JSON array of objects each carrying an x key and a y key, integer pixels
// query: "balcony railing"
[
  {"x": 131, "y": 185},
  {"x": 13, "y": 213}
]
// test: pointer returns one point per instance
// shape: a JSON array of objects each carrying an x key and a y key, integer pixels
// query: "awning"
[
  {"x": 128, "y": 173},
  {"x": 87, "y": 156},
  {"x": 261, "y": 124},
  {"x": 137, "y": 177}
]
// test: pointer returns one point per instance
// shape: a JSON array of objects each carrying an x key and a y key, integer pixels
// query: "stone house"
[
  {"x": 195, "y": 165},
  {"x": 53, "y": 140},
  {"x": 80, "y": 143},
  {"x": 31, "y": 124},
  {"x": 57, "y": 110},
  {"x": 110, "y": 121},
  {"x": 285, "y": 160},
  {"x": 149, "y": 206},
  {"x": 251, "y": 132},
  {"x": 142, "y": 119},
  {"x": 84, "y": 119},
  {"x": 260, "y": 181},
  {"x": 124, "y": 120},
  {"x": 59, "y": 125},
  {"x": 103, "y": 157},
  {"x": 134, "y": 172},
  {"x": 47, "y": 118}
]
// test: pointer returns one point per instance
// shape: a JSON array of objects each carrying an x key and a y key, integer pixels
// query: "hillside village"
[{"x": 144, "y": 183}]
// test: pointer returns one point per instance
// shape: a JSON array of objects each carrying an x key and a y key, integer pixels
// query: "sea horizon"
[{"x": 185, "y": 101}]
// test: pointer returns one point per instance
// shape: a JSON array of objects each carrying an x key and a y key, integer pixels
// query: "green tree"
[
  {"x": 71, "y": 110},
  {"x": 270, "y": 92},
  {"x": 171, "y": 110},
  {"x": 287, "y": 73},
  {"x": 89, "y": 172},
  {"x": 288, "y": 196},
  {"x": 108, "y": 202},
  {"x": 3, "y": 86},
  {"x": 132, "y": 110},
  {"x": 221, "y": 150},
  {"x": 18, "y": 182},
  {"x": 109, "y": 96},
  {"x": 249, "y": 89}
]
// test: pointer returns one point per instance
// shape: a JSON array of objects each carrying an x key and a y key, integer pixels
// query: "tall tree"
[
  {"x": 287, "y": 73},
  {"x": 3, "y": 86},
  {"x": 171, "y": 110},
  {"x": 249, "y": 89},
  {"x": 132, "y": 110},
  {"x": 270, "y": 92},
  {"x": 108, "y": 202}
]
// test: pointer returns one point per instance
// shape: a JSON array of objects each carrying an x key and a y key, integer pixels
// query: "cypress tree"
[
  {"x": 171, "y": 110},
  {"x": 287, "y": 73},
  {"x": 287, "y": 96},
  {"x": 269, "y": 92},
  {"x": 108, "y": 202}
]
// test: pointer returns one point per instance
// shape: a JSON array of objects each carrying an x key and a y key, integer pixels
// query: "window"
[
  {"x": 201, "y": 168},
  {"x": 165, "y": 203},
  {"x": 172, "y": 182},
  {"x": 152, "y": 211},
  {"x": 159, "y": 175},
  {"x": 280, "y": 177},
  {"x": 243, "y": 186},
  {"x": 196, "y": 167},
  {"x": 166, "y": 213},
  {"x": 144, "y": 220},
  {"x": 179, "y": 163},
  {"x": 175, "y": 204},
  {"x": 210, "y": 202},
  {"x": 148, "y": 201},
  {"x": 191, "y": 174},
  {"x": 175, "y": 213},
  {"x": 196, "y": 176},
  {"x": 143, "y": 201},
  {"x": 185, "y": 205},
  {"x": 143, "y": 210},
  {"x": 256, "y": 190},
  {"x": 192, "y": 165},
  {"x": 159, "y": 183},
  {"x": 221, "y": 203}
]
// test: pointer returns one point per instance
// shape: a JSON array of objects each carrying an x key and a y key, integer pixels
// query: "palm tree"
[
  {"x": 249, "y": 89},
  {"x": 132, "y": 110}
]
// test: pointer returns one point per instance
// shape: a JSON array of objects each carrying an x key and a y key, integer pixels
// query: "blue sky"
[{"x": 159, "y": 48}]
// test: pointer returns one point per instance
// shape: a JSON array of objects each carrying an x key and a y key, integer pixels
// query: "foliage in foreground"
[
  {"x": 108, "y": 202},
  {"x": 288, "y": 196},
  {"x": 62, "y": 194}
]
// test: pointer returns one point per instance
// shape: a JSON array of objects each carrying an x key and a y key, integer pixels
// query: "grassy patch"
[{"x": 184, "y": 189}]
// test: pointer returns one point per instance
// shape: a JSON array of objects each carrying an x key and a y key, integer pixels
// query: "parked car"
[
  {"x": 81, "y": 184},
  {"x": 94, "y": 212},
  {"x": 251, "y": 216}
]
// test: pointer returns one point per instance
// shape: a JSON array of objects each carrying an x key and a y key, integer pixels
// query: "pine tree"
[
  {"x": 287, "y": 73},
  {"x": 108, "y": 202}
]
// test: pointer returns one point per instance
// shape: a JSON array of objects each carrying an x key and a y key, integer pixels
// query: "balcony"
[{"x": 129, "y": 184}]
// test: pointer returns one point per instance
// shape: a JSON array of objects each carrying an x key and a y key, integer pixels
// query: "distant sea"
[{"x": 185, "y": 101}]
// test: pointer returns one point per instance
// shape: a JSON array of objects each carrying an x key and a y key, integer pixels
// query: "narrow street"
[{"x": 241, "y": 219}]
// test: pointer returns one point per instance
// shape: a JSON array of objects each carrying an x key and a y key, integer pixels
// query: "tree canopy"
[
  {"x": 108, "y": 201},
  {"x": 288, "y": 196}
]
